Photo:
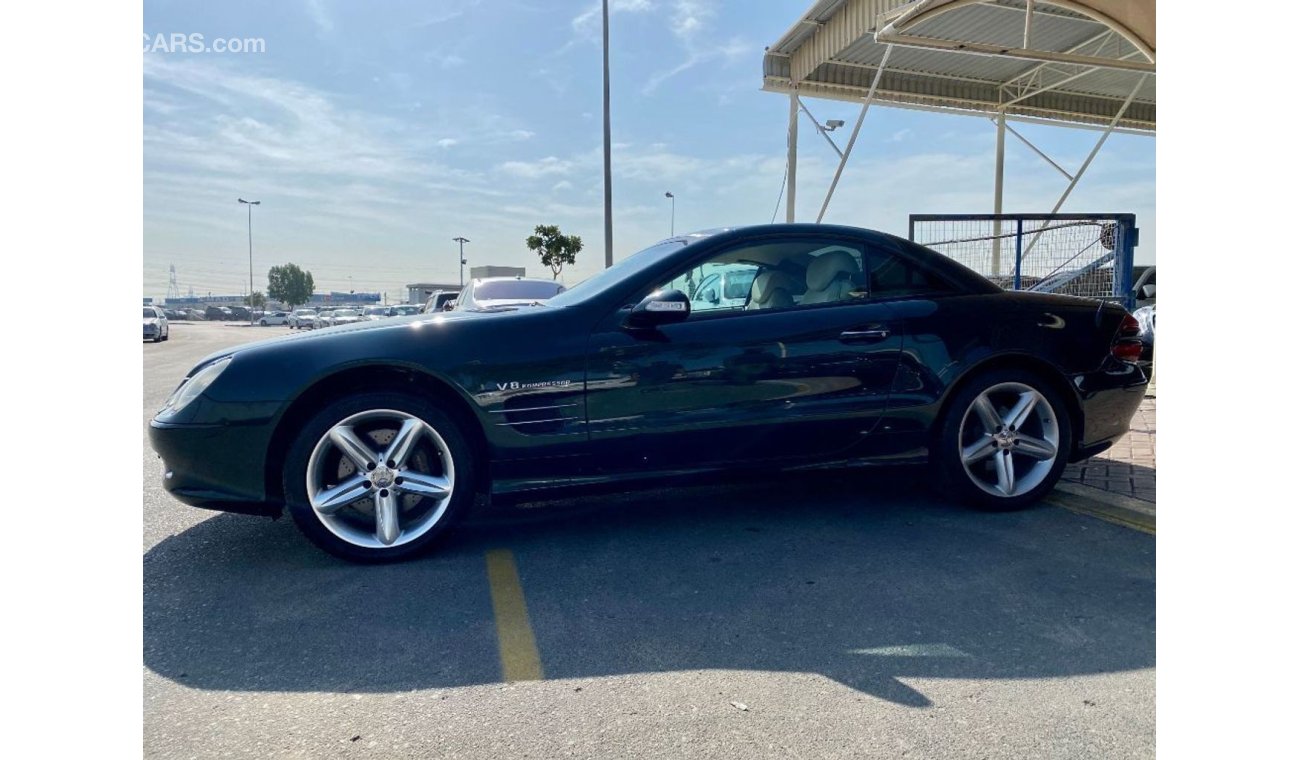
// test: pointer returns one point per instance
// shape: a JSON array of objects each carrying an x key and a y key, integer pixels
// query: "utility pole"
[
  {"x": 250, "y": 205},
  {"x": 672, "y": 220},
  {"x": 609, "y": 190},
  {"x": 462, "y": 240}
]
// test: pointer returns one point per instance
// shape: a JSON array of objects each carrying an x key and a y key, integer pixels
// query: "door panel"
[{"x": 742, "y": 386}]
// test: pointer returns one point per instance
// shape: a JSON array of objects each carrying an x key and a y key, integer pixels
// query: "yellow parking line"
[
  {"x": 518, "y": 647},
  {"x": 1106, "y": 507}
]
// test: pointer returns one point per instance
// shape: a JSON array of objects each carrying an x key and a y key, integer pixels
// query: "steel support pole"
[
  {"x": 609, "y": 190},
  {"x": 998, "y": 172},
  {"x": 857, "y": 127},
  {"x": 821, "y": 130},
  {"x": 791, "y": 157},
  {"x": 250, "y": 263},
  {"x": 1035, "y": 149}
]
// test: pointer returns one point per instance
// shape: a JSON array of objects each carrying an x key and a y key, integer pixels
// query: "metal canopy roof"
[{"x": 1079, "y": 62}]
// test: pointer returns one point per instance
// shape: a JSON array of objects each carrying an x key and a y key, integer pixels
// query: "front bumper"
[{"x": 215, "y": 466}]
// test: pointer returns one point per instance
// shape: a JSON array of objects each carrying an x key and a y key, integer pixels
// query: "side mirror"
[
  {"x": 1149, "y": 290},
  {"x": 449, "y": 306},
  {"x": 661, "y": 307}
]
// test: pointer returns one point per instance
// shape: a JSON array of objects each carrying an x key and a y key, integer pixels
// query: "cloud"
[
  {"x": 689, "y": 20},
  {"x": 446, "y": 142},
  {"x": 522, "y": 134},
  {"x": 587, "y": 27},
  {"x": 690, "y": 17},
  {"x": 320, "y": 16},
  {"x": 544, "y": 167}
]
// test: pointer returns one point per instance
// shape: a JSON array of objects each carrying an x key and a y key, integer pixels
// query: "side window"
[
  {"x": 715, "y": 285},
  {"x": 889, "y": 275},
  {"x": 777, "y": 273}
]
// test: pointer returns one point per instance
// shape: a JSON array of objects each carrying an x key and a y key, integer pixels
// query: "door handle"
[{"x": 866, "y": 335}]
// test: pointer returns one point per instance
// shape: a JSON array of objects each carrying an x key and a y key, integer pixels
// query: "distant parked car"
[
  {"x": 438, "y": 301},
  {"x": 194, "y": 315},
  {"x": 373, "y": 313},
  {"x": 302, "y": 318},
  {"x": 345, "y": 317},
  {"x": 173, "y": 314},
  {"x": 1144, "y": 288},
  {"x": 273, "y": 318},
  {"x": 727, "y": 287},
  {"x": 242, "y": 313},
  {"x": 155, "y": 324},
  {"x": 217, "y": 313},
  {"x": 406, "y": 310},
  {"x": 495, "y": 292},
  {"x": 321, "y": 319},
  {"x": 1146, "y": 317}
]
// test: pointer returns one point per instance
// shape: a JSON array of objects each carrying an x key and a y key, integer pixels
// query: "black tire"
[
  {"x": 262, "y": 323},
  {"x": 167, "y": 335},
  {"x": 946, "y": 453},
  {"x": 294, "y": 476}
]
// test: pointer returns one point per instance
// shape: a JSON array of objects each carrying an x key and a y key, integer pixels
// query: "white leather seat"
[
  {"x": 830, "y": 277},
  {"x": 772, "y": 290}
]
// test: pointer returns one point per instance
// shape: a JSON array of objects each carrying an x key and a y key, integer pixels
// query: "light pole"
[
  {"x": 462, "y": 241},
  {"x": 609, "y": 190},
  {"x": 250, "y": 205},
  {"x": 672, "y": 220}
]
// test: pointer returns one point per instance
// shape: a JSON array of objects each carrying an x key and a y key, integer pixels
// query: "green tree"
[
  {"x": 290, "y": 285},
  {"x": 555, "y": 249},
  {"x": 257, "y": 300}
]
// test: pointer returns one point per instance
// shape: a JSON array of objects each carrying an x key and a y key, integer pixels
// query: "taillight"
[{"x": 1126, "y": 347}]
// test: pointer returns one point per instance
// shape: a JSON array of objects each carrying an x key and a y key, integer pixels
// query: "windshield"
[
  {"x": 406, "y": 310},
  {"x": 304, "y": 312},
  {"x": 628, "y": 267},
  {"x": 378, "y": 310},
  {"x": 523, "y": 290},
  {"x": 345, "y": 313}
]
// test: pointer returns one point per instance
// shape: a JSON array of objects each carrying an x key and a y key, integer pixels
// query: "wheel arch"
[
  {"x": 1050, "y": 374},
  {"x": 369, "y": 378}
]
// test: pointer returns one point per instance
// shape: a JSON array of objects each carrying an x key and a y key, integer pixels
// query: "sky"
[{"x": 374, "y": 133}]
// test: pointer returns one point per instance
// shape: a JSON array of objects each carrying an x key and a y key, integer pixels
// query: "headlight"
[{"x": 190, "y": 388}]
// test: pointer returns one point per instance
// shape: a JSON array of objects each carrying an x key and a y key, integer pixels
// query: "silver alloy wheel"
[
  {"x": 1009, "y": 439},
  {"x": 380, "y": 478}
]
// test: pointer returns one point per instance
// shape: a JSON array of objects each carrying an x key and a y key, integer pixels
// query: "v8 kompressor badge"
[{"x": 518, "y": 386}]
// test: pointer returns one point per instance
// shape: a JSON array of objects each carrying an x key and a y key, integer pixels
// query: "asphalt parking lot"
[{"x": 841, "y": 617}]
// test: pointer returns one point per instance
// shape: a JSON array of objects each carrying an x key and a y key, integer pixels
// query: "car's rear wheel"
[
  {"x": 1004, "y": 441},
  {"x": 378, "y": 476}
]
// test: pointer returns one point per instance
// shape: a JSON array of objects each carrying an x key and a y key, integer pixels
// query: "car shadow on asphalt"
[{"x": 865, "y": 579}]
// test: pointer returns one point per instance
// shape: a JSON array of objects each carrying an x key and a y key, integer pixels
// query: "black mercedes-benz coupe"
[{"x": 853, "y": 347}]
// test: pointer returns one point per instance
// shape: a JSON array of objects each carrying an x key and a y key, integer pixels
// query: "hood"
[{"x": 346, "y": 330}]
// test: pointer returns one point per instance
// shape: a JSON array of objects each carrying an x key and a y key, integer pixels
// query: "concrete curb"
[{"x": 1111, "y": 507}]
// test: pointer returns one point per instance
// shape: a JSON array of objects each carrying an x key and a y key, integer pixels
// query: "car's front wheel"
[
  {"x": 379, "y": 476},
  {"x": 1004, "y": 441}
]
